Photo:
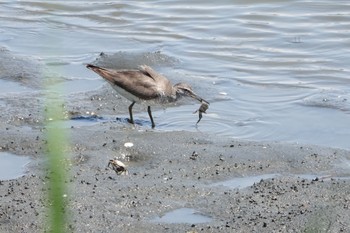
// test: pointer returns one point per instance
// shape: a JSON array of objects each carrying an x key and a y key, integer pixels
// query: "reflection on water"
[{"x": 283, "y": 65}]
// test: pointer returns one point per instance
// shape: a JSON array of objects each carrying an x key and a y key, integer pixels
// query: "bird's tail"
[{"x": 107, "y": 74}]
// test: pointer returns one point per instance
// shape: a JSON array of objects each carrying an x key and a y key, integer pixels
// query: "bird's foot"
[{"x": 131, "y": 121}]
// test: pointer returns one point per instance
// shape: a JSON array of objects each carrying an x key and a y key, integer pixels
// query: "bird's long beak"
[{"x": 195, "y": 96}]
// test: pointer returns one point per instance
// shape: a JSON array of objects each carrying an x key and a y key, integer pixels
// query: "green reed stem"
[{"x": 56, "y": 144}]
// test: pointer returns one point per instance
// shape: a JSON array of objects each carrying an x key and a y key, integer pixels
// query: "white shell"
[{"x": 128, "y": 144}]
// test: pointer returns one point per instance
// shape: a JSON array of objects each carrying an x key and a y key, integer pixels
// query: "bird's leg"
[
  {"x": 131, "y": 120},
  {"x": 150, "y": 116}
]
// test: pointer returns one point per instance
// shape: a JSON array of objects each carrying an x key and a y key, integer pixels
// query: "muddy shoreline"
[
  {"x": 164, "y": 176},
  {"x": 306, "y": 189}
]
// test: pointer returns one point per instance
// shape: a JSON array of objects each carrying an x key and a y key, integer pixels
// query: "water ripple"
[{"x": 275, "y": 60}]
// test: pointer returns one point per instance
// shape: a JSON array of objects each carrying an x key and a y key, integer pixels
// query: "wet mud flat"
[
  {"x": 176, "y": 182},
  {"x": 301, "y": 188}
]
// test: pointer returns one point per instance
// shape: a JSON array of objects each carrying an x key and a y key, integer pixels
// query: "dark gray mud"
[{"x": 281, "y": 187}]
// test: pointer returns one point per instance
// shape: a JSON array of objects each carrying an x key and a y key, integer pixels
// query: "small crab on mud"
[{"x": 118, "y": 166}]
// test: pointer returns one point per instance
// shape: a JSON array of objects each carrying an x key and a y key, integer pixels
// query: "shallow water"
[
  {"x": 12, "y": 166},
  {"x": 183, "y": 215},
  {"x": 276, "y": 70},
  {"x": 247, "y": 181},
  {"x": 244, "y": 182}
]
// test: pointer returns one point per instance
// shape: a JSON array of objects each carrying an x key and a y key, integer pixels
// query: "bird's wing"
[
  {"x": 134, "y": 81},
  {"x": 153, "y": 74},
  {"x": 137, "y": 83},
  {"x": 163, "y": 84}
]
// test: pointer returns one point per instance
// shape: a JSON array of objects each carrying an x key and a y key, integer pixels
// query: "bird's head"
[{"x": 183, "y": 89}]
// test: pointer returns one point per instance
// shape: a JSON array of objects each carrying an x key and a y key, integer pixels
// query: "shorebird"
[{"x": 145, "y": 85}]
